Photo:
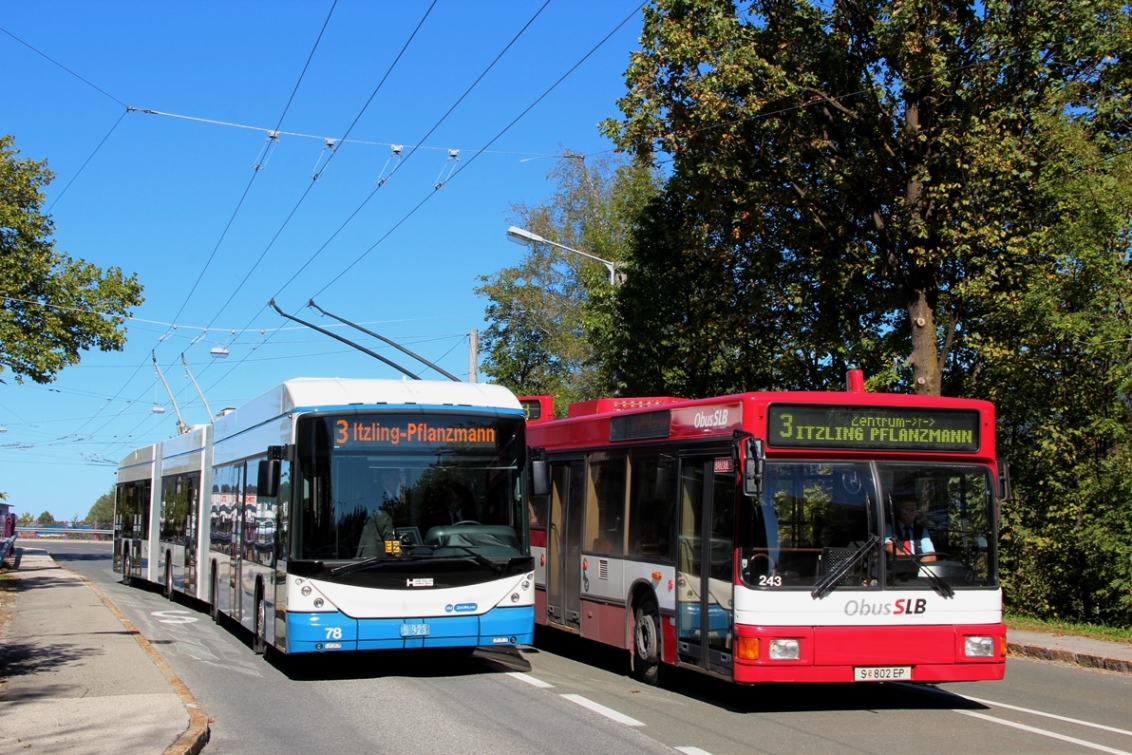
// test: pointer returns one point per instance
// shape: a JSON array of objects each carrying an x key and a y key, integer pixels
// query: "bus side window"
[
  {"x": 651, "y": 493},
  {"x": 605, "y": 504}
]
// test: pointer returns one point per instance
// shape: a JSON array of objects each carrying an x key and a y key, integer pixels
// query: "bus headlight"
[
  {"x": 978, "y": 646},
  {"x": 785, "y": 650},
  {"x": 515, "y": 597},
  {"x": 306, "y": 591}
]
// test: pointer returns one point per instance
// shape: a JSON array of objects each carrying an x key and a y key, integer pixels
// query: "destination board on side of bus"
[{"x": 872, "y": 427}]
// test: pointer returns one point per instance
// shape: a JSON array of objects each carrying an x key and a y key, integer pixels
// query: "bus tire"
[
  {"x": 647, "y": 663},
  {"x": 127, "y": 567},
  {"x": 214, "y": 596},
  {"x": 169, "y": 593},
  {"x": 259, "y": 635}
]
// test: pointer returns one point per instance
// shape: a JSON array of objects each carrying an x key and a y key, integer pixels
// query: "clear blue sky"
[{"x": 171, "y": 194}]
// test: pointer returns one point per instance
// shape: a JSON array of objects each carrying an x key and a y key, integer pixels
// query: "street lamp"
[{"x": 526, "y": 238}]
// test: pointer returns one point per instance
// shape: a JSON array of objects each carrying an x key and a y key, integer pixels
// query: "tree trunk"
[
  {"x": 926, "y": 377},
  {"x": 926, "y": 373}
]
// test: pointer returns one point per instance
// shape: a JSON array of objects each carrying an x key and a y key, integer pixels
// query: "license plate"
[
  {"x": 414, "y": 630},
  {"x": 882, "y": 673}
]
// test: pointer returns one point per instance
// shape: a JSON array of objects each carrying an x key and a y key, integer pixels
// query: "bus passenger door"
[
  {"x": 563, "y": 545},
  {"x": 705, "y": 562}
]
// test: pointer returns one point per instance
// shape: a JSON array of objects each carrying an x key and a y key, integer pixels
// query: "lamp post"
[{"x": 526, "y": 238}]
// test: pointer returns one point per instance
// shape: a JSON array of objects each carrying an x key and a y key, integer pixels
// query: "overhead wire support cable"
[
  {"x": 330, "y": 150},
  {"x": 392, "y": 343},
  {"x": 346, "y": 341}
]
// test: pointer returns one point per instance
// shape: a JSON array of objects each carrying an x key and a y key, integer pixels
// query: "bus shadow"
[
  {"x": 377, "y": 664},
  {"x": 815, "y": 698},
  {"x": 759, "y": 698},
  {"x": 61, "y": 557}
]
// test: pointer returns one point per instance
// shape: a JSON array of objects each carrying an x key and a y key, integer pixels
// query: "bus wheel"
[
  {"x": 169, "y": 580},
  {"x": 214, "y": 597},
  {"x": 127, "y": 567},
  {"x": 646, "y": 642},
  {"x": 259, "y": 640}
]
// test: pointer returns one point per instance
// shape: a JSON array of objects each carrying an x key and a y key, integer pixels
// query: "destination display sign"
[
  {"x": 872, "y": 428},
  {"x": 387, "y": 431}
]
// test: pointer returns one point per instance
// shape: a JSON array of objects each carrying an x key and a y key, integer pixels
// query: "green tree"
[
  {"x": 25, "y": 520},
  {"x": 101, "y": 514},
  {"x": 45, "y": 519},
  {"x": 53, "y": 306},
  {"x": 938, "y": 192},
  {"x": 546, "y": 314},
  {"x": 1055, "y": 359},
  {"x": 844, "y": 175}
]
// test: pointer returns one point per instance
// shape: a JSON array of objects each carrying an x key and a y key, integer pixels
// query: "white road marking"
[
  {"x": 1054, "y": 716},
  {"x": 529, "y": 679},
  {"x": 1044, "y": 733},
  {"x": 609, "y": 713},
  {"x": 689, "y": 750},
  {"x": 174, "y": 617}
]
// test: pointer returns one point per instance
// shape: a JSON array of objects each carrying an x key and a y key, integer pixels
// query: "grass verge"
[{"x": 1092, "y": 631}]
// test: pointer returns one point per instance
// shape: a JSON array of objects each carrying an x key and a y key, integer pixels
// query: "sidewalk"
[
  {"x": 77, "y": 677},
  {"x": 1100, "y": 654}
]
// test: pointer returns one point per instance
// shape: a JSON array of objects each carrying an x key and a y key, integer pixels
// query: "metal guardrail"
[{"x": 70, "y": 533}]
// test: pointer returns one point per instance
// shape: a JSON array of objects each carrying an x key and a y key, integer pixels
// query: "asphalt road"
[{"x": 574, "y": 696}]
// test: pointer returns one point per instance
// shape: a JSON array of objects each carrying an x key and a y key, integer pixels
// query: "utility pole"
[{"x": 473, "y": 355}]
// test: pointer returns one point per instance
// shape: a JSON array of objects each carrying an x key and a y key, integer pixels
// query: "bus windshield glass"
[
  {"x": 374, "y": 486},
  {"x": 870, "y": 526}
]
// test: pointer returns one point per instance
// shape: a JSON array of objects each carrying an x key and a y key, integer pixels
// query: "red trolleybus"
[{"x": 760, "y": 537}]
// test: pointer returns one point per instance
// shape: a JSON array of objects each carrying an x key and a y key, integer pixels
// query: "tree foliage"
[
  {"x": 53, "y": 306},
  {"x": 845, "y": 174},
  {"x": 102, "y": 512},
  {"x": 547, "y": 315},
  {"x": 937, "y": 192}
]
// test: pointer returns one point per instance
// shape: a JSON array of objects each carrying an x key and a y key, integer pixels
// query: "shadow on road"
[
  {"x": 760, "y": 698},
  {"x": 419, "y": 664}
]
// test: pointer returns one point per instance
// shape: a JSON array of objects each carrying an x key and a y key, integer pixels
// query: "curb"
[
  {"x": 1087, "y": 660},
  {"x": 195, "y": 737}
]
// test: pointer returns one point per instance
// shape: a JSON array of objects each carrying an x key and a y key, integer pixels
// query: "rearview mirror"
[{"x": 754, "y": 464}]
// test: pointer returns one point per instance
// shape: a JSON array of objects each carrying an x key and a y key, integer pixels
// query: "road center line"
[
  {"x": 1054, "y": 716},
  {"x": 609, "y": 713},
  {"x": 1044, "y": 732}
]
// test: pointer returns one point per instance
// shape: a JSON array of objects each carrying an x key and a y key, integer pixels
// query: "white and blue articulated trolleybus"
[{"x": 333, "y": 515}]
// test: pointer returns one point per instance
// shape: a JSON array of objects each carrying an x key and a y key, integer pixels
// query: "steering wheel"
[{"x": 465, "y": 521}]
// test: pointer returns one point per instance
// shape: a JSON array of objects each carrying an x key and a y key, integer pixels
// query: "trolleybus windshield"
[
  {"x": 375, "y": 487},
  {"x": 930, "y": 525}
]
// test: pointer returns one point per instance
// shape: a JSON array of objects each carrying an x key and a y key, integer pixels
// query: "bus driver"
[{"x": 910, "y": 538}]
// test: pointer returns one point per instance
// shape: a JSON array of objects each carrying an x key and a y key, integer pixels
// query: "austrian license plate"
[
  {"x": 414, "y": 630},
  {"x": 882, "y": 674}
]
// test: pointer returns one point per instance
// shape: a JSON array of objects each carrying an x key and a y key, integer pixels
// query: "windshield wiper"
[
  {"x": 825, "y": 586},
  {"x": 937, "y": 582},
  {"x": 480, "y": 558},
  {"x": 354, "y": 566},
  {"x": 417, "y": 552}
]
